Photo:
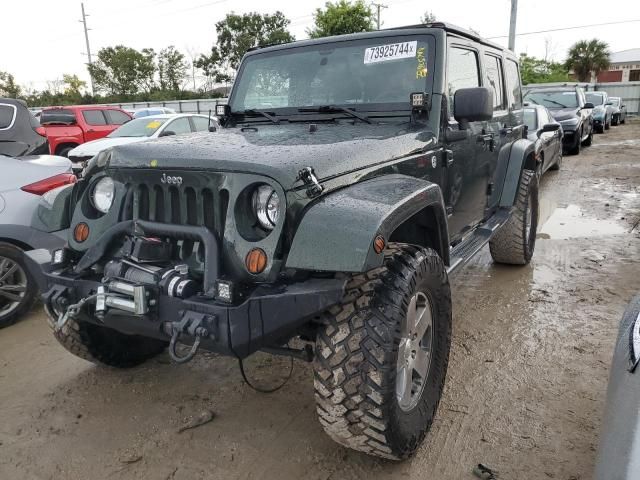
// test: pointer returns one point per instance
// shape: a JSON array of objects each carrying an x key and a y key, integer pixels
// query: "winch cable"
[{"x": 260, "y": 389}]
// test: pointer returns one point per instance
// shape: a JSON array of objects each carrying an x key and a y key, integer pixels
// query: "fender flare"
[
  {"x": 337, "y": 232},
  {"x": 520, "y": 151}
]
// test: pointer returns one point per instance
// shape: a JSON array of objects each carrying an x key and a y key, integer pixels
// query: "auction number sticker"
[{"x": 393, "y": 51}]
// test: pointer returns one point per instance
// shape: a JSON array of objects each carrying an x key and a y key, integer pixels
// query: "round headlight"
[
  {"x": 266, "y": 206},
  {"x": 103, "y": 193}
]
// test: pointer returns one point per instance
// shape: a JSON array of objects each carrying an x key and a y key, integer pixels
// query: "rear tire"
[
  {"x": 64, "y": 152},
  {"x": 105, "y": 346},
  {"x": 377, "y": 379},
  {"x": 17, "y": 287},
  {"x": 515, "y": 242}
]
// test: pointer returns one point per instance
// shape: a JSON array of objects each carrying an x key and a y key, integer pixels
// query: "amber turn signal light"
[
  {"x": 81, "y": 232},
  {"x": 378, "y": 244},
  {"x": 256, "y": 261}
]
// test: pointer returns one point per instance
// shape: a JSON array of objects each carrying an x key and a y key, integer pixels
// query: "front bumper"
[{"x": 269, "y": 315}]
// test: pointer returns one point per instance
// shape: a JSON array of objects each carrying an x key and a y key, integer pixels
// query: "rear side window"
[
  {"x": 514, "y": 87},
  {"x": 94, "y": 117},
  {"x": 116, "y": 117},
  {"x": 462, "y": 72},
  {"x": 7, "y": 116},
  {"x": 494, "y": 80},
  {"x": 57, "y": 115},
  {"x": 179, "y": 126},
  {"x": 201, "y": 123}
]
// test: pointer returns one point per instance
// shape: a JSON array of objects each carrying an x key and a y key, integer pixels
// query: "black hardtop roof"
[
  {"x": 387, "y": 32},
  {"x": 13, "y": 101}
]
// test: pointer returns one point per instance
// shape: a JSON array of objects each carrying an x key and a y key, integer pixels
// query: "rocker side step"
[{"x": 473, "y": 243}]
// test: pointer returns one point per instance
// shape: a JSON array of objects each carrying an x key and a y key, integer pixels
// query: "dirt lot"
[{"x": 524, "y": 395}]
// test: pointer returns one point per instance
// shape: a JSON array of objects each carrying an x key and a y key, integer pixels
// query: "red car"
[{"x": 69, "y": 126}]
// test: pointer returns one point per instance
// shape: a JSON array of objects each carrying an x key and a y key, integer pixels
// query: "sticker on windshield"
[
  {"x": 393, "y": 51},
  {"x": 153, "y": 124}
]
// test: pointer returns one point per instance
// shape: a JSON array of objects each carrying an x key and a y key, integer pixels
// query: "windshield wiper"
[
  {"x": 557, "y": 103},
  {"x": 335, "y": 109},
  {"x": 268, "y": 116}
]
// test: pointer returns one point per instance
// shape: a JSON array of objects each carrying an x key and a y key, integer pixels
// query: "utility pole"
[
  {"x": 86, "y": 37},
  {"x": 512, "y": 25},
  {"x": 378, "y": 7}
]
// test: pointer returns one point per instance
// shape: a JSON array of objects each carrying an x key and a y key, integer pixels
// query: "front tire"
[
  {"x": 515, "y": 242},
  {"x": 17, "y": 287},
  {"x": 575, "y": 150},
  {"x": 558, "y": 163},
  {"x": 382, "y": 357},
  {"x": 105, "y": 346}
]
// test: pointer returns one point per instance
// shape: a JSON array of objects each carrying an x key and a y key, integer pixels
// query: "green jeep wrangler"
[{"x": 347, "y": 179}]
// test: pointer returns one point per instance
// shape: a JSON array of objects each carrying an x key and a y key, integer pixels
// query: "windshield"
[
  {"x": 138, "y": 127},
  {"x": 595, "y": 98},
  {"x": 530, "y": 119},
  {"x": 364, "y": 74},
  {"x": 553, "y": 100}
]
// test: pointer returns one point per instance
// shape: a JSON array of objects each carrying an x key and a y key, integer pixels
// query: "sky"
[{"x": 49, "y": 38}]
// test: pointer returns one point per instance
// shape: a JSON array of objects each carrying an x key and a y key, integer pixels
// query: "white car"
[
  {"x": 26, "y": 183},
  {"x": 150, "y": 111},
  {"x": 139, "y": 130}
]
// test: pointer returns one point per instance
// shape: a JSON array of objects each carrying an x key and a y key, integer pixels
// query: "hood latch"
[{"x": 308, "y": 177}]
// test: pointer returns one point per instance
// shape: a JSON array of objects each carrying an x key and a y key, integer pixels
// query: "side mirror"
[
  {"x": 609, "y": 103},
  {"x": 472, "y": 105},
  {"x": 549, "y": 127},
  {"x": 167, "y": 133},
  {"x": 589, "y": 105}
]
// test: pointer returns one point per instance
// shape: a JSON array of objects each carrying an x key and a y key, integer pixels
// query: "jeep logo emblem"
[{"x": 171, "y": 180}]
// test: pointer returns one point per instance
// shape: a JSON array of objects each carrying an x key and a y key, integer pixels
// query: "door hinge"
[{"x": 308, "y": 177}]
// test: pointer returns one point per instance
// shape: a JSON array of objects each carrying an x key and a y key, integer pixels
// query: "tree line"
[{"x": 122, "y": 74}]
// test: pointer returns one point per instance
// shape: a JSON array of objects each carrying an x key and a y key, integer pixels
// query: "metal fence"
[
  {"x": 628, "y": 91},
  {"x": 181, "y": 106}
]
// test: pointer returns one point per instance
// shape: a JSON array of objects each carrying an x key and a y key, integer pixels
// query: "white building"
[{"x": 624, "y": 66}]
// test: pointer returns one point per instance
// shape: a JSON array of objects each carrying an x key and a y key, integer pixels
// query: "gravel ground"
[{"x": 524, "y": 395}]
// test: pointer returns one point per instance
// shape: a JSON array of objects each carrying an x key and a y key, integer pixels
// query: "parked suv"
[
  {"x": 350, "y": 177},
  {"x": 20, "y": 132},
  {"x": 570, "y": 108},
  {"x": 69, "y": 126}
]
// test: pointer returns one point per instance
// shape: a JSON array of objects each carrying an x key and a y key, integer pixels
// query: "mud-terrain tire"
[
  {"x": 17, "y": 287},
  {"x": 515, "y": 242},
  {"x": 105, "y": 346},
  {"x": 356, "y": 366}
]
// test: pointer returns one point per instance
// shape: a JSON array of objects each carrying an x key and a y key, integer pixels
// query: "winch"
[{"x": 144, "y": 267}]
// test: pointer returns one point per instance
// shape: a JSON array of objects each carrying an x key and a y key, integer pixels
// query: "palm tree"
[{"x": 587, "y": 57}]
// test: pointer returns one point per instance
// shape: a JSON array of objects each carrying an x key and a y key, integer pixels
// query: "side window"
[
  {"x": 94, "y": 117},
  {"x": 201, "y": 123},
  {"x": 179, "y": 126},
  {"x": 462, "y": 72},
  {"x": 494, "y": 80},
  {"x": 7, "y": 116},
  {"x": 116, "y": 117},
  {"x": 514, "y": 87}
]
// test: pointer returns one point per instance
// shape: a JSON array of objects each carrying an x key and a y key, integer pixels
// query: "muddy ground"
[{"x": 524, "y": 395}]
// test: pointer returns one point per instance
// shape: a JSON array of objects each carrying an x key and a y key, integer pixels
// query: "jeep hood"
[{"x": 279, "y": 151}]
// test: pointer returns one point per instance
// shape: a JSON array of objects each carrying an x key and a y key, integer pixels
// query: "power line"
[
  {"x": 567, "y": 28},
  {"x": 86, "y": 37},
  {"x": 378, "y": 7}
]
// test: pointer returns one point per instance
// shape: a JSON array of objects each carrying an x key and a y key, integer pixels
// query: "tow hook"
[
  {"x": 72, "y": 311},
  {"x": 195, "y": 324}
]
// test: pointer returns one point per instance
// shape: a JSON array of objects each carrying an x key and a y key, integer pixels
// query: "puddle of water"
[{"x": 571, "y": 222}]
